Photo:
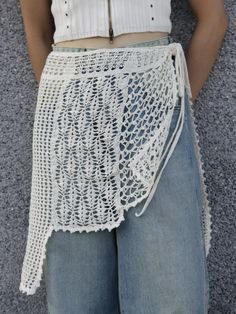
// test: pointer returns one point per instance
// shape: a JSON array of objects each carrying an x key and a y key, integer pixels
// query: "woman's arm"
[
  {"x": 212, "y": 24},
  {"x": 39, "y": 28}
]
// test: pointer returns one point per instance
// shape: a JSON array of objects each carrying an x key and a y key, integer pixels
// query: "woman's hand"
[
  {"x": 207, "y": 38},
  {"x": 39, "y": 28}
]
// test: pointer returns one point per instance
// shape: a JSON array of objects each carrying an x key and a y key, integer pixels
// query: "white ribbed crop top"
[{"x": 76, "y": 19}]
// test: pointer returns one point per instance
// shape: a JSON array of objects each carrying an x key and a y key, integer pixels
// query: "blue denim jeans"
[{"x": 154, "y": 264}]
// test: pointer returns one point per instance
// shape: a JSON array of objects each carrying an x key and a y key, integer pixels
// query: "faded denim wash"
[{"x": 154, "y": 264}]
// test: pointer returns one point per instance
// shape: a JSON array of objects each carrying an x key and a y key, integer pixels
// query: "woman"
[{"x": 114, "y": 92}]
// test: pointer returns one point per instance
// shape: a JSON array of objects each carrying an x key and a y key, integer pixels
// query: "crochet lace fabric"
[{"x": 101, "y": 121}]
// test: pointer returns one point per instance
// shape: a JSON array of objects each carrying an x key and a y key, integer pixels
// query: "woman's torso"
[
  {"x": 109, "y": 23},
  {"x": 119, "y": 41}
]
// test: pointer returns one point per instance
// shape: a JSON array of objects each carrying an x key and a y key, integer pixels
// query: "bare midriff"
[{"x": 118, "y": 41}]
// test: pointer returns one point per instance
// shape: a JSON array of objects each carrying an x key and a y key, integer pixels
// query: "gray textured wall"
[{"x": 215, "y": 112}]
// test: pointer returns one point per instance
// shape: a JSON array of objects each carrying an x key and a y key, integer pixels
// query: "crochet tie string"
[{"x": 182, "y": 81}]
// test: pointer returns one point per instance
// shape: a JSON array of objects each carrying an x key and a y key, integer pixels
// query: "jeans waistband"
[{"x": 165, "y": 40}]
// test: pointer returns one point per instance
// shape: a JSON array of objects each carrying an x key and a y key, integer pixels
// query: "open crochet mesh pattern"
[{"x": 101, "y": 121}]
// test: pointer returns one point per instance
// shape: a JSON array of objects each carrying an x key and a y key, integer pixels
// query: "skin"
[{"x": 201, "y": 54}]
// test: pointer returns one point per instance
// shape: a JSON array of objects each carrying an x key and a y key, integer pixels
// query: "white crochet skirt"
[{"x": 101, "y": 121}]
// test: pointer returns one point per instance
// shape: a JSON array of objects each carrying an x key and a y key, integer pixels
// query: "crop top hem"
[{"x": 101, "y": 33}]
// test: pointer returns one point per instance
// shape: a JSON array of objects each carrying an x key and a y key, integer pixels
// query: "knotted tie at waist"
[{"x": 182, "y": 81}]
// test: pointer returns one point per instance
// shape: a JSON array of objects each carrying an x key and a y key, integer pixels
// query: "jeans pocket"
[
  {"x": 175, "y": 115},
  {"x": 147, "y": 160}
]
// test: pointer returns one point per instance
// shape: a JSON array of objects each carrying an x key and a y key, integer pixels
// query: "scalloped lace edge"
[{"x": 206, "y": 210}]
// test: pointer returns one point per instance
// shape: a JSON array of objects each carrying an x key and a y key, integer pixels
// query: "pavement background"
[{"x": 215, "y": 112}]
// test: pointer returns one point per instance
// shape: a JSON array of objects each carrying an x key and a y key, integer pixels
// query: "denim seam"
[
  {"x": 206, "y": 210},
  {"x": 206, "y": 221}
]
